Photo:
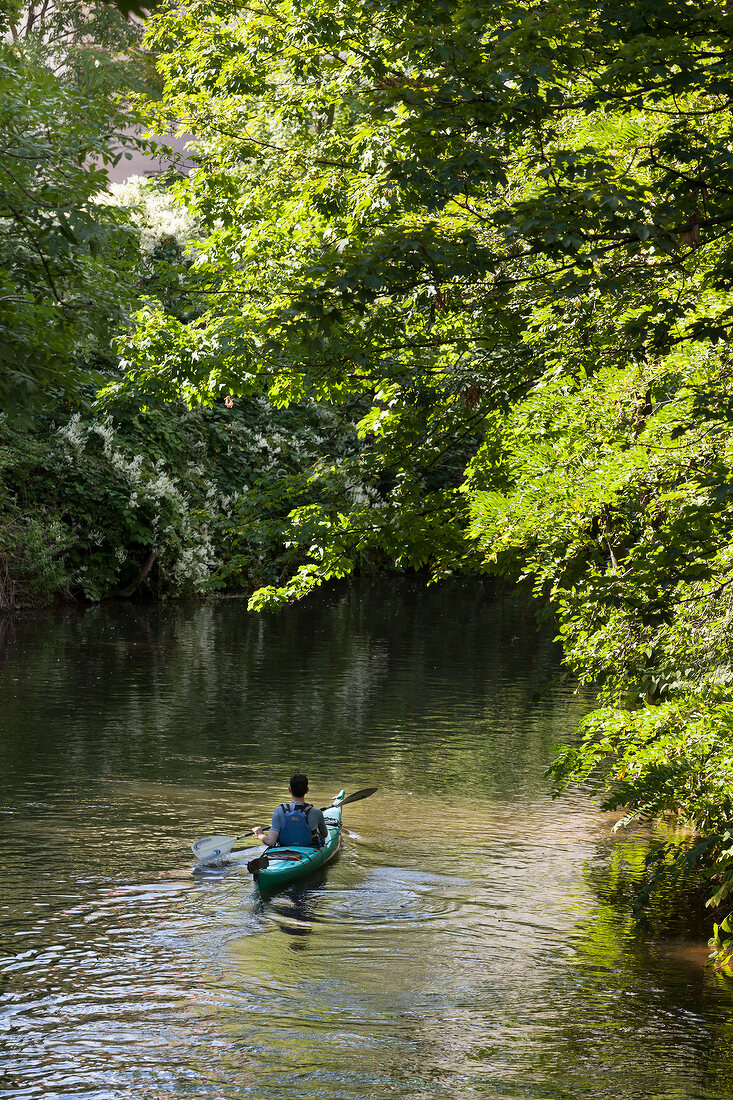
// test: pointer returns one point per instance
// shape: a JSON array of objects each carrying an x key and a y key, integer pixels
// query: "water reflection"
[
  {"x": 294, "y": 910},
  {"x": 468, "y": 942}
]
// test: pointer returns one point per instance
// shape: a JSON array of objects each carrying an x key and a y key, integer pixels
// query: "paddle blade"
[
  {"x": 210, "y": 848},
  {"x": 357, "y": 795}
]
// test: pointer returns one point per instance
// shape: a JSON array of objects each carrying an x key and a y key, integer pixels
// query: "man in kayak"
[{"x": 296, "y": 823}]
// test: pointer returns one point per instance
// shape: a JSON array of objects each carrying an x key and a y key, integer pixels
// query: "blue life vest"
[{"x": 296, "y": 831}]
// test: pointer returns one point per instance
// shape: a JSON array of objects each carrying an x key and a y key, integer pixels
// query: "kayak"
[{"x": 284, "y": 865}]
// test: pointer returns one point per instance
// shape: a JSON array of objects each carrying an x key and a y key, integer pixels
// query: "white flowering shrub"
[
  {"x": 134, "y": 504},
  {"x": 154, "y": 211},
  {"x": 206, "y": 493}
]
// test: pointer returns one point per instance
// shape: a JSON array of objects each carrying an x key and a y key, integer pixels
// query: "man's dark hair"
[{"x": 298, "y": 784}]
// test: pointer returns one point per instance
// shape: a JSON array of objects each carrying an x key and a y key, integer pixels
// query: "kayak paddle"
[
  {"x": 211, "y": 847},
  {"x": 216, "y": 847}
]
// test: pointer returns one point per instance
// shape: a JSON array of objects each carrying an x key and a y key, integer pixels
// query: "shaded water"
[{"x": 462, "y": 945}]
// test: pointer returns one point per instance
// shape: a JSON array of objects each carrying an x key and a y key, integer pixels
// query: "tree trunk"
[{"x": 140, "y": 578}]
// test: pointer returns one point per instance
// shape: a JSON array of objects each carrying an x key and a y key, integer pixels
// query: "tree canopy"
[{"x": 67, "y": 75}]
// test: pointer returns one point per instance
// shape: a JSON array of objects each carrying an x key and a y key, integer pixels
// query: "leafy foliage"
[
  {"x": 437, "y": 209},
  {"x": 67, "y": 266},
  {"x": 90, "y": 498}
]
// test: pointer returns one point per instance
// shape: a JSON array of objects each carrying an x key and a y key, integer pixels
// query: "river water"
[{"x": 469, "y": 941}]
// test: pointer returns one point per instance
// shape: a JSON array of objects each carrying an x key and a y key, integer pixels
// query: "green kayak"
[{"x": 277, "y": 867}]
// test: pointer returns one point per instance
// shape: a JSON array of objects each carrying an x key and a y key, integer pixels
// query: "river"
[{"x": 468, "y": 942}]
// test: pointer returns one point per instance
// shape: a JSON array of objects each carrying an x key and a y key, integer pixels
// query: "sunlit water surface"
[{"x": 461, "y": 946}]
